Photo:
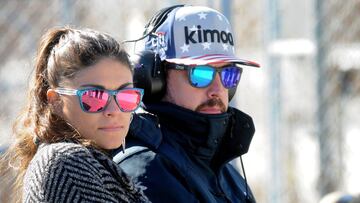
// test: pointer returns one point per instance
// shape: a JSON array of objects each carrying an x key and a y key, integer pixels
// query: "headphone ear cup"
[{"x": 149, "y": 75}]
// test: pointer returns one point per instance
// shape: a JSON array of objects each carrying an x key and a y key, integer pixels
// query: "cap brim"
[{"x": 211, "y": 59}]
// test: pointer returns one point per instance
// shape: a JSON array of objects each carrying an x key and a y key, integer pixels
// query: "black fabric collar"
[
  {"x": 215, "y": 139},
  {"x": 199, "y": 133}
]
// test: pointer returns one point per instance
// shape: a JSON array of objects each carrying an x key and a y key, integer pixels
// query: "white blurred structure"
[{"x": 304, "y": 100}]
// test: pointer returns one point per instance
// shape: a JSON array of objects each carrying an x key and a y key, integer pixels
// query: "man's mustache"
[{"x": 211, "y": 103}]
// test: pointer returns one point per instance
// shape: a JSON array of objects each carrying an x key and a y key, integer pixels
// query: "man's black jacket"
[{"x": 178, "y": 155}]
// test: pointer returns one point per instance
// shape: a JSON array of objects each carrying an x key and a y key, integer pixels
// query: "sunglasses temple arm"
[{"x": 66, "y": 91}]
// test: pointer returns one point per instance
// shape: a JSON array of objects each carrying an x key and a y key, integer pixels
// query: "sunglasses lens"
[
  {"x": 129, "y": 99},
  {"x": 201, "y": 76},
  {"x": 94, "y": 100},
  {"x": 230, "y": 76}
]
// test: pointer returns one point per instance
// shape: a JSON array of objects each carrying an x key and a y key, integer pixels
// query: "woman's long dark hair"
[{"x": 61, "y": 54}]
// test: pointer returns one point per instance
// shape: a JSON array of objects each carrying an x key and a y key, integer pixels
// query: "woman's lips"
[{"x": 111, "y": 128}]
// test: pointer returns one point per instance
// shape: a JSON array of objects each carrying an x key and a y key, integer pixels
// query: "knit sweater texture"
[{"x": 69, "y": 172}]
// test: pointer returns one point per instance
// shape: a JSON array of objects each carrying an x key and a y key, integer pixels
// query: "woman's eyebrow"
[
  {"x": 93, "y": 85},
  {"x": 124, "y": 85},
  {"x": 102, "y": 87}
]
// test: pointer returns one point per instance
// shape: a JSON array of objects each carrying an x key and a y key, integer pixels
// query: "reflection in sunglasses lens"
[
  {"x": 128, "y": 100},
  {"x": 201, "y": 76},
  {"x": 230, "y": 76},
  {"x": 94, "y": 100}
]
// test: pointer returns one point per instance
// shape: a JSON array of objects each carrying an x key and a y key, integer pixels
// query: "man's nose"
[{"x": 216, "y": 87}]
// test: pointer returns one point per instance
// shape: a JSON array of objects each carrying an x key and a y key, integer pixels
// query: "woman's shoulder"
[
  {"x": 62, "y": 152},
  {"x": 65, "y": 170},
  {"x": 57, "y": 158},
  {"x": 63, "y": 147},
  {"x": 56, "y": 167}
]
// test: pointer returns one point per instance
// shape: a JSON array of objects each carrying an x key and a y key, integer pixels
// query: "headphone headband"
[
  {"x": 158, "y": 19},
  {"x": 149, "y": 72}
]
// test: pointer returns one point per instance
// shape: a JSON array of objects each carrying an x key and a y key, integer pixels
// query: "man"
[{"x": 179, "y": 149}]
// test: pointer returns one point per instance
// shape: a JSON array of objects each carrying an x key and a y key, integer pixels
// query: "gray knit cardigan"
[{"x": 69, "y": 172}]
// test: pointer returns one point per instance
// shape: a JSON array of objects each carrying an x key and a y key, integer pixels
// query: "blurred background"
[{"x": 305, "y": 100}]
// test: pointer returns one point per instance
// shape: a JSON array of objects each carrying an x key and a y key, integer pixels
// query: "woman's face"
[{"x": 109, "y": 127}]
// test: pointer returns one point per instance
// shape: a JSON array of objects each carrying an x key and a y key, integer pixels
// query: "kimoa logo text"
[{"x": 207, "y": 35}]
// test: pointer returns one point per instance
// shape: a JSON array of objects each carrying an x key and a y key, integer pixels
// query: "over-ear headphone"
[
  {"x": 149, "y": 71},
  {"x": 149, "y": 74}
]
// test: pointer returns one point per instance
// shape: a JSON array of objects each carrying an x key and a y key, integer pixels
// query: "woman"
[{"x": 80, "y": 106}]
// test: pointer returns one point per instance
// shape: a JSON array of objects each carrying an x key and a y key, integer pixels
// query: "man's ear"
[{"x": 52, "y": 96}]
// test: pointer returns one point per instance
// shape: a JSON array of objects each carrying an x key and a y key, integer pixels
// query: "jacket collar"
[
  {"x": 198, "y": 133},
  {"x": 215, "y": 139}
]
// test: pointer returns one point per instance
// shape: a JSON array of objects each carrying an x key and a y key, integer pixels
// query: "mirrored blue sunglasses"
[
  {"x": 201, "y": 76},
  {"x": 94, "y": 100}
]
